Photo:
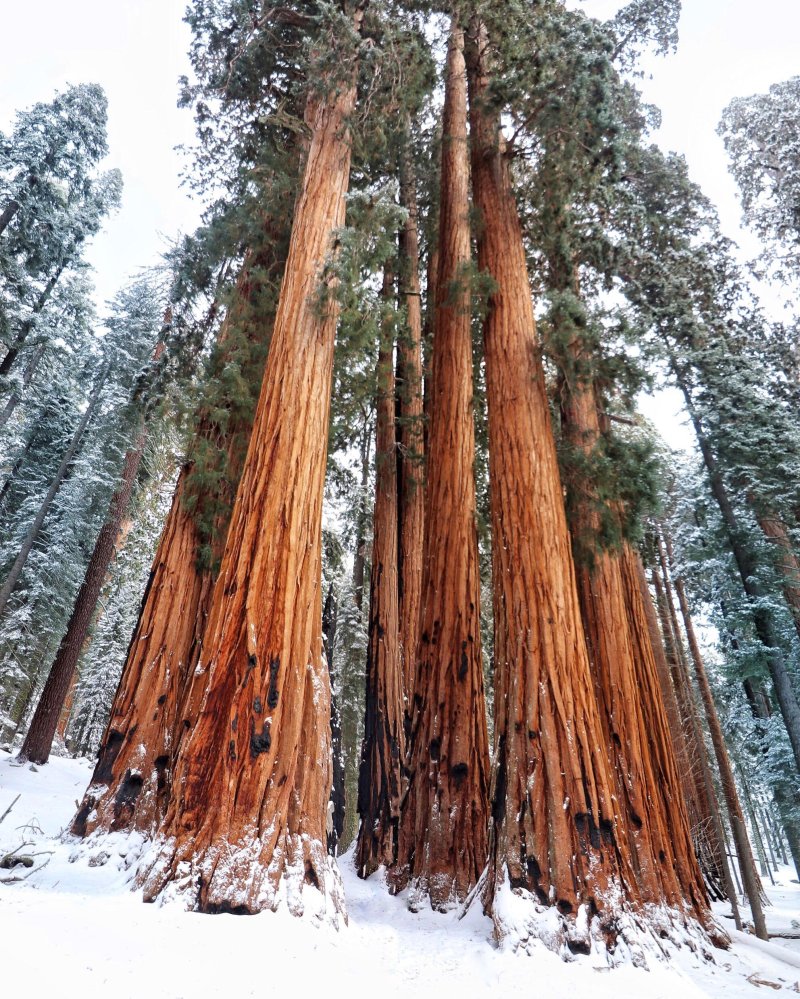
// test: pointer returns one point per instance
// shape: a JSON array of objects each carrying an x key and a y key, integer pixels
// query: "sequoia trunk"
[
  {"x": 410, "y": 435},
  {"x": 442, "y": 842},
  {"x": 253, "y": 777},
  {"x": 383, "y": 751},
  {"x": 158, "y": 695},
  {"x": 553, "y": 830}
]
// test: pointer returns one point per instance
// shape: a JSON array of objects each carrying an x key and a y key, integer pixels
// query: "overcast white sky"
[{"x": 136, "y": 49}]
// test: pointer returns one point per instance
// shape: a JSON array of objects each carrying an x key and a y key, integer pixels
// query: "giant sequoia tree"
[
  {"x": 260, "y": 749},
  {"x": 442, "y": 838}
]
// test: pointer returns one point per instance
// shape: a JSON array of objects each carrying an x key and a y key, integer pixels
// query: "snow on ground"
[{"x": 76, "y": 930}]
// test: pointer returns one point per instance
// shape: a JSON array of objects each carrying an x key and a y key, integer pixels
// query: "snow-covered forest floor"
[{"x": 74, "y": 929}]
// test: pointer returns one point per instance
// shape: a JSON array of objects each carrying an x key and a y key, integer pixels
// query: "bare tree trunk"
[
  {"x": 383, "y": 751},
  {"x": 39, "y": 739},
  {"x": 442, "y": 841},
  {"x": 553, "y": 828},
  {"x": 360, "y": 560},
  {"x": 246, "y": 821},
  {"x": 336, "y": 805},
  {"x": 709, "y": 835},
  {"x": 410, "y": 436},
  {"x": 55, "y": 485},
  {"x": 747, "y": 867}
]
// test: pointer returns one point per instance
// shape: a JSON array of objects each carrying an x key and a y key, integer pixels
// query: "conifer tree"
[
  {"x": 442, "y": 837},
  {"x": 379, "y": 784},
  {"x": 260, "y": 749}
]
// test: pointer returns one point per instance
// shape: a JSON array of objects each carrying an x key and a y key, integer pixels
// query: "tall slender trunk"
[
  {"x": 247, "y": 818},
  {"x": 338, "y": 799},
  {"x": 410, "y": 435},
  {"x": 553, "y": 830},
  {"x": 360, "y": 558},
  {"x": 39, "y": 739},
  {"x": 709, "y": 834},
  {"x": 55, "y": 484},
  {"x": 750, "y": 880},
  {"x": 442, "y": 841},
  {"x": 383, "y": 751}
]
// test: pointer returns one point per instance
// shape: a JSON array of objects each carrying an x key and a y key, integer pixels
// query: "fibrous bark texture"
[
  {"x": 410, "y": 436},
  {"x": 383, "y": 750},
  {"x": 130, "y": 784},
  {"x": 671, "y": 843},
  {"x": 744, "y": 853},
  {"x": 246, "y": 824},
  {"x": 161, "y": 685},
  {"x": 552, "y": 824},
  {"x": 442, "y": 842},
  {"x": 39, "y": 739}
]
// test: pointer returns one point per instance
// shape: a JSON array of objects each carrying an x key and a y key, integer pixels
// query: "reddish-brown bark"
[
  {"x": 39, "y": 739},
  {"x": 160, "y": 686},
  {"x": 410, "y": 436},
  {"x": 442, "y": 841},
  {"x": 553, "y": 829},
  {"x": 252, "y": 779},
  {"x": 672, "y": 842},
  {"x": 708, "y": 833},
  {"x": 383, "y": 751},
  {"x": 747, "y": 866}
]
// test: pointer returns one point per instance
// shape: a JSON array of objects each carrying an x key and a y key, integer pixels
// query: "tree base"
[
  {"x": 619, "y": 934},
  {"x": 235, "y": 879}
]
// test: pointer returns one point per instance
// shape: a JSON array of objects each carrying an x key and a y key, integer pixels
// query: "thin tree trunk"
[
  {"x": 360, "y": 559},
  {"x": 709, "y": 834},
  {"x": 55, "y": 485},
  {"x": 337, "y": 801},
  {"x": 442, "y": 841},
  {"x": 39, "y": 739},
  {"x": 410, "y": 436},
  {"x": 247, "y": 819},
  {"x": 383, "y": 751},
  {"x": 746, "y": 864},
  {"x": 553, "y": 829}
]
